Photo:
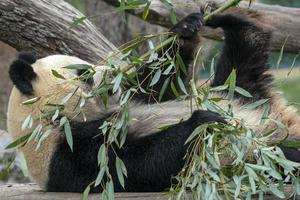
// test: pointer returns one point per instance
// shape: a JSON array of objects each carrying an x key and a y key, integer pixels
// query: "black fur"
[
  {"x": 27, "y": 57},
  {"x": 21, "y": 73},
  {"x": 246, "y": 49},
  {"x": 187, "y": 30},
  {"x": 291, "y": 153},
  {"x": 150, "y": 162}
]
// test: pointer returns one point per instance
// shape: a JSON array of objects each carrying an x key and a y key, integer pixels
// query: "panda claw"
[{"x": 189, "y": 25}]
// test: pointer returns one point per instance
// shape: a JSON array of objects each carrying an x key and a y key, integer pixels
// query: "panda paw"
[{"x": 189, "y": 26}]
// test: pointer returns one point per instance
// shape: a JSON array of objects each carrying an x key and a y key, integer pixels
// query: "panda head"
[{"x": 35, "y": 80}]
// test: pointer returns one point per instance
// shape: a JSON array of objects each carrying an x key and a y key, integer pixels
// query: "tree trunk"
[
  {"x": 286, "y": 21},
  {"x": 43, "y": 27}
]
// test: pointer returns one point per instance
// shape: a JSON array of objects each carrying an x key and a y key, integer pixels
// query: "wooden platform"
[{"x": 32, "y": 192}]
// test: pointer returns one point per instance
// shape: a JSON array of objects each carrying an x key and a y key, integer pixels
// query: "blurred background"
[{"x": 118, "y": 31}]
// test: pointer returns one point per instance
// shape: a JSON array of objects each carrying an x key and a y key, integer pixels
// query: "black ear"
[
  {"x": 21, "y": 73},
  {"x": 27, "y": 57}
]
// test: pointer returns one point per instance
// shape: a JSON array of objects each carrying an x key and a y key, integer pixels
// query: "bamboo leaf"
[
  {"x": 85, "y": 195},
  {"x": 181, "y": 85},
  {"x": 243, "y": 92},
  {"x": 119, "y": 171},
  {"x": 174, "y": 90},
  {"x": 18, "y": 142},
  {"x": 156, "y": 77},
  {"x": 146, "y": 10},
  {"x": 117, "y": 81},
  {"x": 54, "y": 117},
  {"x": 27, "y": 122},
  {"x": 68, "y": 133},
  {"x": 163, "y": 89},
  {"x": 255, "y": 104},
  {"x": 100, "y": 176},
  {"x": 31, "y": 101},
  {"x": 79, "y": 66},
  {"x": 57, "y": 75}
]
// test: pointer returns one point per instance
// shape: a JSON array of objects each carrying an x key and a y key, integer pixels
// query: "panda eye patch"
[{"x": 85, "y": 76}]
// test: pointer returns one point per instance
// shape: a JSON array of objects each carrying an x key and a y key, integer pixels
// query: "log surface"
[
  {"x": 32, "y": 192},
  {"x": 43, "y": 27},
  {"x": 284, "y": 20}
]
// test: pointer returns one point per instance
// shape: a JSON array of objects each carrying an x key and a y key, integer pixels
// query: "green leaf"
[
  {"x": 110, "y": 190},
  {"x": 231, "y": 81},
  {"x": 181, "y": 85},
  {"x": 43, "y": 138},
  {"x": 85, "y": 195},
  {"x": 100, "y": 176},
  {"x": 27, "y": 122},
  {"x": 31, "y": 101},
  {"x": 258, "y": 167},
  {"x": 125, "y": 98},
  {"x": 156, "y": 77},
  {"x": 243, "y": 92},
  {"x": 62, "y": 121},
  {"x": 119, "y": 164},
  {"x": 117, "y": 81},
  {"x": 277, "y": 192},
  {"x": 102, "y": 155},
  {"x": 36, "y": 132},
  {"x": 256, "y": 104},
  {"x": 200, "y": 129},
  {"x": 66, "y": 98},
  {"x": 238, "y": 181},
  {"x": 174, "y": 90},
  {"x": 68, "y": 132},
  {"x": 173, "y": 16},
  {"x": 294, "y": 143},
  {"x": 54, "y": 117},
  {"x": 218, "y": 88},
  {"x": 79, "y": 66},
  {"x": 167, "y": 71},
  {"x": 18, "y": 142},
  {"x": 57, "y": 75},
  {"x": 181, "y": 64},
  {"x": 163, "y": 89},
  {"x": 146, "y": 10},
  {"x": 23, "y": 165}
]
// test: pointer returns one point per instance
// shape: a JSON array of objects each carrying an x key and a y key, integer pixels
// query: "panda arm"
[
  {"x": 153, "y": 160},
  {"x": 246, "y": 49},
  {"x": 187, "y": 30}
]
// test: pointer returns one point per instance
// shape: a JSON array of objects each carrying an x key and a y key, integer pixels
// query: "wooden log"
[
  {"x": 31, "y": 191},
  {"x": 284, "y": 20},
  {"x": 43, "y": 27}
]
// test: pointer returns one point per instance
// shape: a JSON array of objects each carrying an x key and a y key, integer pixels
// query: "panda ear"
[
  {"x": 27, "y": 57},
  {"x": 21, "y": 73}
]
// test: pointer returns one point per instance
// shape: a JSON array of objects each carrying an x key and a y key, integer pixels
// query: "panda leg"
[
  {"x": 246, "y": 49},
  {"x": 187, "y": 30}
]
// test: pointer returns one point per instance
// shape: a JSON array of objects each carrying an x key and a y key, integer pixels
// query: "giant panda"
[{"x": 151, "y": 155}]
